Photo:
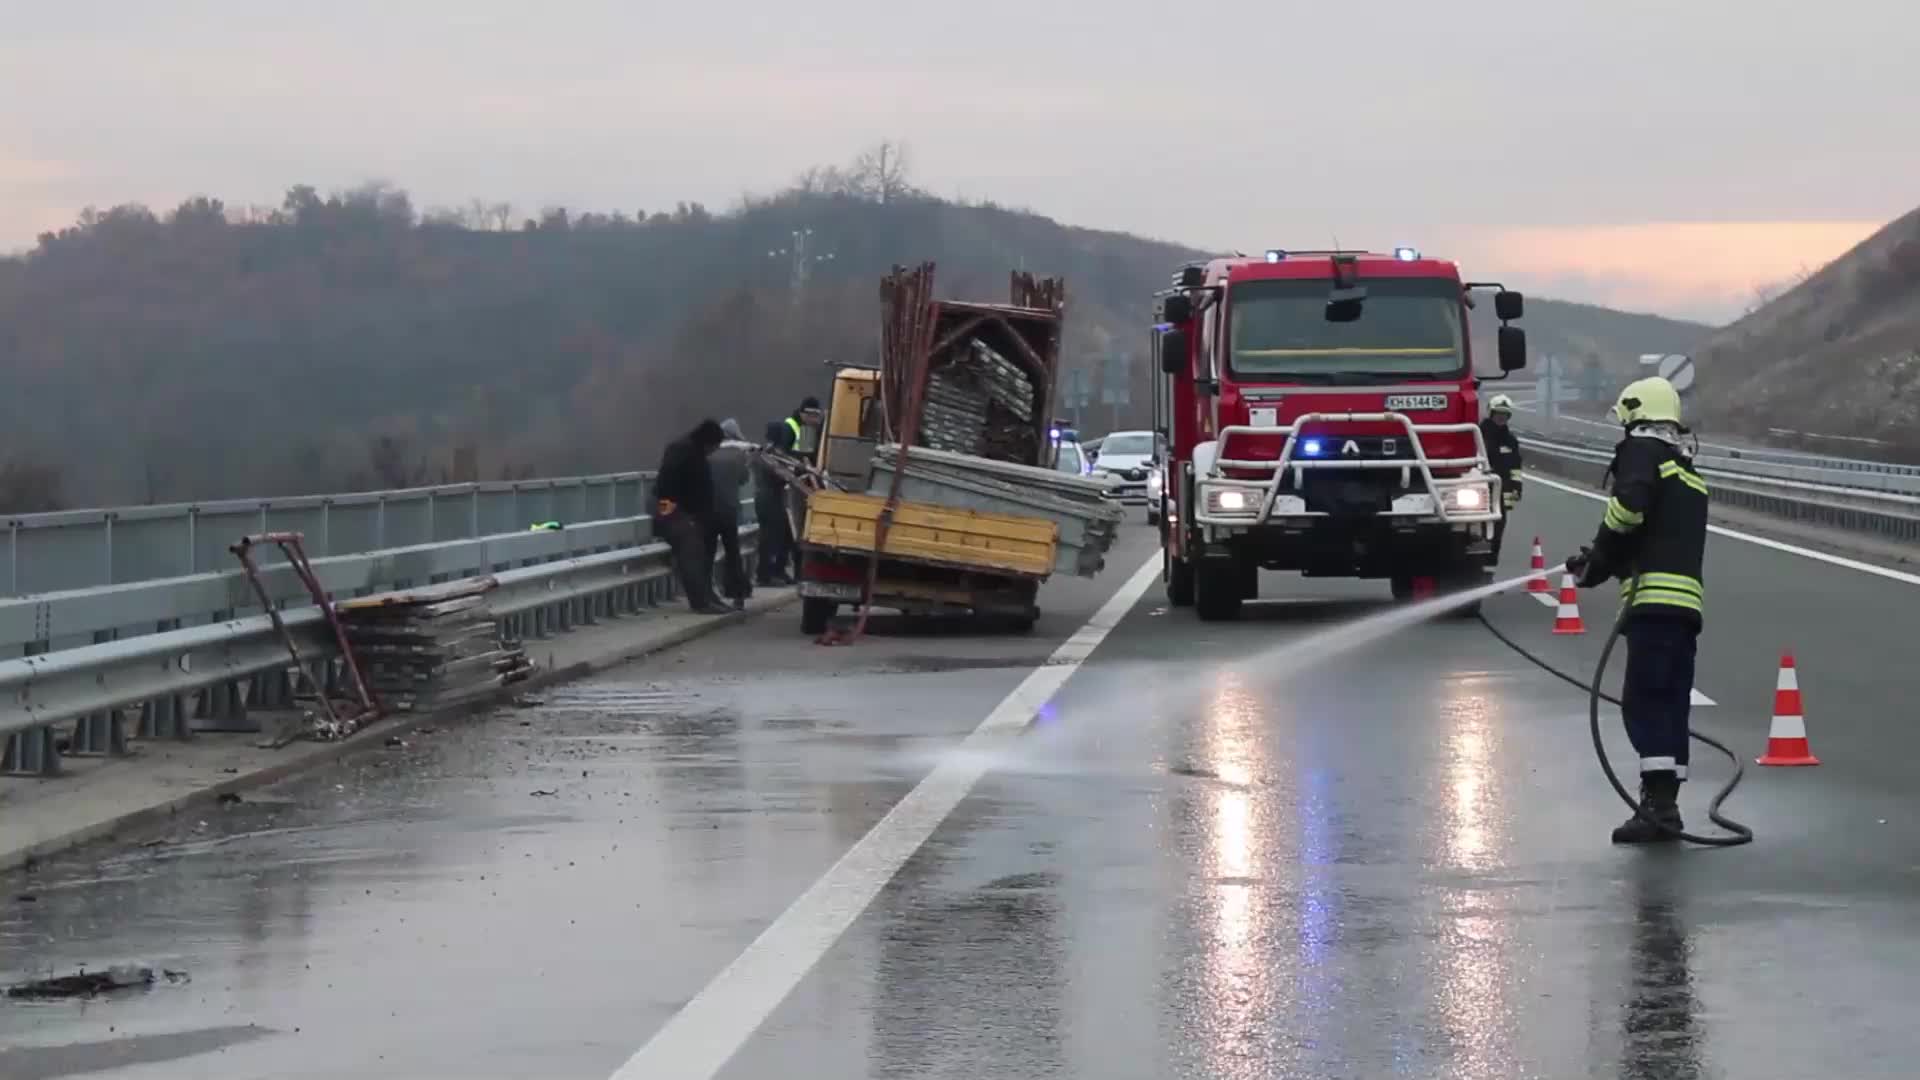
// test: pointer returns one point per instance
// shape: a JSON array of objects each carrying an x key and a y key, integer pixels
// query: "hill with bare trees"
[
  {"x": 1833, "y": 363},
  {"x": 353, "y": 340}
]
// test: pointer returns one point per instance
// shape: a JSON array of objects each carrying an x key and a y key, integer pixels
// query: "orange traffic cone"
[
  {"x": 1567, "y": 620},
  {"x": 1538, "y": 582},
  {"x": 1787, "y": 740}
]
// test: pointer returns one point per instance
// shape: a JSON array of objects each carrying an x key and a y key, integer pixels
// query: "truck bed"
[{"x": 972, "y": 540}]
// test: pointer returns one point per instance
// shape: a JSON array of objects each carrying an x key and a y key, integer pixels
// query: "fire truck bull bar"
[{"x": 1269, "y": 505}]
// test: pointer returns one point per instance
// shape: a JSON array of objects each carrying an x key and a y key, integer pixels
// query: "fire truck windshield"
[{"x": 1409, "y": 326}]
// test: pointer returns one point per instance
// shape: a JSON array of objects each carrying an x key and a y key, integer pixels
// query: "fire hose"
[{"x": 1739, "y": 834}]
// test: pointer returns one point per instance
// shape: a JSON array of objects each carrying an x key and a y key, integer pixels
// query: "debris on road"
[
  {"x": 84, "y": 983},
  {"x": 544, "y": 794},
  {"x": 228, "y": 798}
]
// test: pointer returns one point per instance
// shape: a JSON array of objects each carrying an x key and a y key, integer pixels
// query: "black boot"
[{"x": 1658, "y": 819}]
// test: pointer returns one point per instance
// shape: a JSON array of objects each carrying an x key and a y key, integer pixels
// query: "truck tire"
[
  {"x": 1217, "y": 586},
  {"x": 1402, "y": 585},
  {"x": 1178, "y": 574},
  {"x": 1249, "y": 580},
  {"x": 815, "y": 613},
  {"x": 1471, "y": 576}
]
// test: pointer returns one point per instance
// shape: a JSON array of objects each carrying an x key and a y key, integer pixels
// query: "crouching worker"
[{"x": 683, "y": 493}]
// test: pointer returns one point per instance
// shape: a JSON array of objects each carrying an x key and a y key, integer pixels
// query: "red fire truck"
[{"x": 1322, "y": 416}]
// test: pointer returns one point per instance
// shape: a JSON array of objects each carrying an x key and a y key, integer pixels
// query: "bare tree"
[
  {"x": 882, "y": 171},
  {"x": 30, "y": 487},
  {"x": 392, "y": 461}
]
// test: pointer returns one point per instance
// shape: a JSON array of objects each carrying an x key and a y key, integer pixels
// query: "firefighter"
[
  {"x": 1503, "y": 453},
  {"x": 1653, "y": 537}
]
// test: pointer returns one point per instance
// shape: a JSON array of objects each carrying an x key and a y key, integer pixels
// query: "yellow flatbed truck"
[{"x": 934, "y": 559}]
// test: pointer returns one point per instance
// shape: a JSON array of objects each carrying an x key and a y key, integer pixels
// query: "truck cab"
[{"x": 1322, "y": 417}]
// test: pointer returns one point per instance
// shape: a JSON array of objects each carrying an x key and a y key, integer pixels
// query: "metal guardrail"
[
  {"x": 55, "y": 622},
  {"x": 1853, "y": 509},
  {"x": 1827, "y": 471},
  {"x": 174, "y": 683},
  {"x": 77, "y": 549}
]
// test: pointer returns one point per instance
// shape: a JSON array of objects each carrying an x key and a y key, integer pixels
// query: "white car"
[{"x": 1125, "y": 459}]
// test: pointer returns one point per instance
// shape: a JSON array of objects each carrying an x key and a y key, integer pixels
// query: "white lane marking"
[
  {"x": 1791, "y": 549},
  {"x": 1702, "y": 699},
  {"x": 1551, "y": 600},
  {"x": 699, "y": 1040}
]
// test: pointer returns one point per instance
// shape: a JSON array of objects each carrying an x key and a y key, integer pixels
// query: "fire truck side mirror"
[
  {"x": 1508, "y": 305},
  {"x": 1173, "y": 352},
  {"x": 1177, "y": 309},
  {"x": 1513, "y": 348}
]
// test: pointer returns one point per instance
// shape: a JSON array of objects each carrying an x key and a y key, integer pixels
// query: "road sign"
[{"x": 1678, "y": 370}]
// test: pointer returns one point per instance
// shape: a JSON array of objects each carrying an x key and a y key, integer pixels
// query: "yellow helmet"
[
  {"x": 1500, "y": 403},
  {"x": 1646, "y": 400}
]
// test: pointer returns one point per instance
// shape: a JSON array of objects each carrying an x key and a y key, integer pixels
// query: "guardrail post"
[
  {"x": 163, "y": 718},
  {"x": 99, "y": 735},
  {"x": 223, "y": 707},
  {"x": 31, "y": 753}
]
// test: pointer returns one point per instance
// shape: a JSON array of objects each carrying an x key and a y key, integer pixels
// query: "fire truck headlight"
[
  {"x": 1471, "y": 498},
  {"x": 1229, "y": 501}
]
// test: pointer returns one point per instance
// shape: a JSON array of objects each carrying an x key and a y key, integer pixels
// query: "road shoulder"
[{"x": 101, "y": 798}]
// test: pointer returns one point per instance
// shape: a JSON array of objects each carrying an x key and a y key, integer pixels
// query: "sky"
[{"x": 1668, "y": 157}]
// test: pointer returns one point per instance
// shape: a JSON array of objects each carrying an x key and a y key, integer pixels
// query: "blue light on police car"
[
  {"x": 1311, "y": 447},
  {"x": 1054, "y": 434},
  {"x": 1405, "y": 254}
]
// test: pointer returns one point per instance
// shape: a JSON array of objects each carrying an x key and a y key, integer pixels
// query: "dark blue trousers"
[{"x": 1658, "y": 692}]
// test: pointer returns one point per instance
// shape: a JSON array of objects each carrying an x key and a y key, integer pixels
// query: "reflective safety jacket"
[{"x": 1653, "y": 536}]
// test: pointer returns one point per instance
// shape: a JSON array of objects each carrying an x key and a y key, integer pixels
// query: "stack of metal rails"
[
  {"x": 1088, "y": 522},
  {"x": 980, "y": 403},
  {"x": 432, "y": 648}
]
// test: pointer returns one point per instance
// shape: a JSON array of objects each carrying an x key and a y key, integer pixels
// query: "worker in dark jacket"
[
  {"x": 1654, "y": 539},
  {"x": 683, "y": 493},
  {"x": 1503, "y": 453},
  {"x": 770, "y": 513},
  {"x": 728, "y": 465}
]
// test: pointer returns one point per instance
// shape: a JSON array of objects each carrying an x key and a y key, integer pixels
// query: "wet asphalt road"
[{"x": 1389, "y": 862}]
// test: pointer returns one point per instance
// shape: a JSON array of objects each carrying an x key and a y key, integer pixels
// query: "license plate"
[
  {"x": 827, "y": 591},
  {"x": 1264, "y": 417},
  {"x": 1416, "y": 402}
]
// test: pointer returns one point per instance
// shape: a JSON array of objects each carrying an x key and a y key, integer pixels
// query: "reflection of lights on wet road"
[
  {"x": 1475, "y": 977},
  {"x": 1235, "y": 975},
  {"x": 1470, "y": 776}
]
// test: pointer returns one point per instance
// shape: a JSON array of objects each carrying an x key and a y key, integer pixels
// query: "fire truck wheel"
[
  {"x": 815, "y": 613},
  {"x": 1249, "y": 580},
  {"x": 1217, "y": 589},
  {"x": 1402, "y": 587},
  {"x": 1178, "y": 575}
]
